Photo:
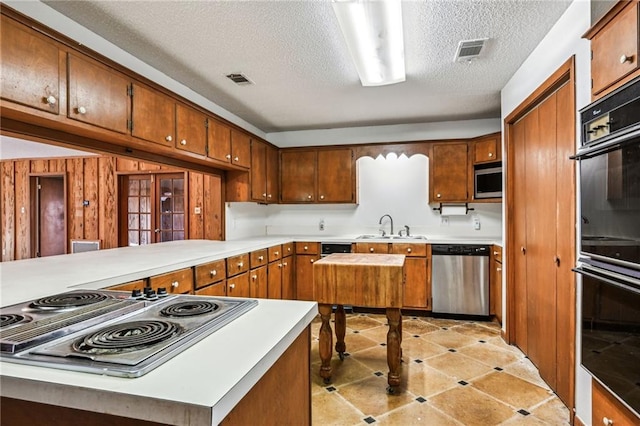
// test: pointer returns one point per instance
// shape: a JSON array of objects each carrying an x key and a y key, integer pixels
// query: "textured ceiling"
[{"x": 294, "y": 53}]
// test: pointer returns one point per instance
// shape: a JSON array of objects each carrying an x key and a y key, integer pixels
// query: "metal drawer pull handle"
[
  {"x": 81, "y": 110},
  {"x": 232, "y": 286},
  {"x": 322, "y": 197},
  {"x": 495, "y": 253},
  {"x": 309, "y": 196},
  {"x": 371, "y": 249},
  {"x": 254, "y": 277},
  {"x": 213, "y": 273},
  {"x": 438, "y": 195},
  {"x": 236, "y": 159},
  {"x": 279, "y": 265},
  {"x": 607, "y": 421},
  {"x": 228, "y": 156},
  {"x": 260, "y": 258},
  {"x": 490, "y": 154},
  {"x": 168, "y": 138},
  {"x": 408, "y": 250},
  {"x": 498, "y": 269},
  {"x": 285, "y": 263},
  {"x": 311, "y": 261},
  {"x": 264, "y": 194},
  {"x": 240, "y": 264},
  {"x": 306, "y": 248},
  {"x": 183, "y": 142},
  {"x": 276, "y": 253},
  {"x": 625, "y": 58},
  {"x": 175, "y": 284},
  {"x": 51, "y": 100}
]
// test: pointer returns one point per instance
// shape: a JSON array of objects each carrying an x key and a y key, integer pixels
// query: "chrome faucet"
[
  {"x": 406, "y": 230},
  {"x": 390, "y": 218}
]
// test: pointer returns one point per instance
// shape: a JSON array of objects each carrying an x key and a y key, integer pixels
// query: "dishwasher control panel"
[{"x": 460, "y": 250}]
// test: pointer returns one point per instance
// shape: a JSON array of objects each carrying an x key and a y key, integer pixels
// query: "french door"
[{"x": 152, "y": 208}]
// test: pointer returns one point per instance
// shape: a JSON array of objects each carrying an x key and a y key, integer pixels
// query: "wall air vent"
[
  {"x": 469, "y": 49},
  {"x": 239, "y": 79}
]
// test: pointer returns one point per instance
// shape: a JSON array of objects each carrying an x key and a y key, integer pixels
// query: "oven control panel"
[{"x": 598, "y": 128}]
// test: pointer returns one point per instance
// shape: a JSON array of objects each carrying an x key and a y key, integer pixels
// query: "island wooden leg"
[
  {"x": 326, "y": 341},
  {"x": 341, "y": 327},
  {"x": 394, "y": 340}
]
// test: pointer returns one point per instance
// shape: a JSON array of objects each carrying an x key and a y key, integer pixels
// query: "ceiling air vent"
[
  {"x": 469, "y": 49},
  {"x": 239, "y": 79}
]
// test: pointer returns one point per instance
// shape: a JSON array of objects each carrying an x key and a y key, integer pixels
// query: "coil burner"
[
  {"x": 68, "y": 300},
  {"x": 7, "y": 320},
  {"x": 126, "y": 337},
  {"x": 189, "y": 308}
]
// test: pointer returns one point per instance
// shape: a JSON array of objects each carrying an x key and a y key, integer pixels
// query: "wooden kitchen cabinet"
[
  {"x": 336, "y": 176},
  {"x": 449, "y": 172},
  {"x": 209, "y": 273},
  {"x": 191, "y": 130},
  {"x": 219, "y": 141},
  {"x": 614, "y": 48},
  {"x": 240, "y": 149},
  {"x": 274, "y": 287},
  {"x": 298, "y": 176},
  {"x": 153, "y": 115},
  {"x": 288, "y": 283},
  {"x": 175, "y": 282},
  {"x": 258, "y": 258},
  {"x": 317, "y": 176},
  {"x": 606, "y": 409},
  {"x": 417, "y": 289},
  {"x": 264, "y": 172},
  {"x": 130, "y": 286},
  {"x": 306, "y": 254},
  {"x": 495, "y": 283},
  {"x": 215, "y": 289},
  {"x": 237, "y": 264},
  {"x": 258, "y": 282},
  {"x": 239, "y": 285},
  {"x": 98, "y": 95},
  {"x": 487, "y": 149},
  {"x": 31, "y": 66}
]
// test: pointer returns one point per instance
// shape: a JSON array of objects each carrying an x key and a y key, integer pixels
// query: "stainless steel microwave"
[{"x": 487, "y": 182}]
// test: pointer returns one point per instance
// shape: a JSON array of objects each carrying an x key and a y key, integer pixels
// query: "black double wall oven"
[{"x": 609, "y": 260}]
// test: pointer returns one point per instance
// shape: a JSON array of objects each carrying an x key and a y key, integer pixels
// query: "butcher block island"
[
  {"x": 367, "y": 280},
  {"x": 227, "y": 377}
]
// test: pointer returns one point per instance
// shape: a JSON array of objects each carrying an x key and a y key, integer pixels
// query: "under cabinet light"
[{"x": 373, "y": 32}]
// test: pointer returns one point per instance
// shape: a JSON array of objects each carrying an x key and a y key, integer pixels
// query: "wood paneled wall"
[{"x": 94, "y": 179}]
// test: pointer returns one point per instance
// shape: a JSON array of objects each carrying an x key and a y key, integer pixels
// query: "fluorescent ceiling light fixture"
[{"x": 373, "y": 32}]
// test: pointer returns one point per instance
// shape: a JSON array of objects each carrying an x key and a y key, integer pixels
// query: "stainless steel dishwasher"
[{"x": 460, "y": 279}]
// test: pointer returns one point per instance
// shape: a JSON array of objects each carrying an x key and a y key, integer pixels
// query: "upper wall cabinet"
[
  {"x": 31, "y": 67},
  {"x": 191, "y": 130},
  {"x": 487, "y": 149},
  {"x": 98, "y": 95},
  {"x": 449, "y": 172},
  {"x": 317, "y": 176},
  {"x": 264, "y": 172},
  {"x": 228, "y": 145},
  {"x": 153, "y": 115},
  {"x": 240, "y": 148},
  {"x": 614, "y": 48}
]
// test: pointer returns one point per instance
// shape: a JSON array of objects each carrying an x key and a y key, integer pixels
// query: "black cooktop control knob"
[
  {"x": 162, "y": 291},
  {"x": 136, "y": 293}
]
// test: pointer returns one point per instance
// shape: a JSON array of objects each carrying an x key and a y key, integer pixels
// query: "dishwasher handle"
[{"x": 459, "y": 250}]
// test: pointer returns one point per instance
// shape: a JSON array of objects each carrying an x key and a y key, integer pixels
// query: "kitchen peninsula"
[{"x": 241, "y": 365}]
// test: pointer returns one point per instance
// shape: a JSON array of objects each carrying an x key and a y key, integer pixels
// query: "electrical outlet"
[
  {"x": 476, "y": 223},
  {"x": 444, "y": 220},
  {"x": 321, "y": 225}
]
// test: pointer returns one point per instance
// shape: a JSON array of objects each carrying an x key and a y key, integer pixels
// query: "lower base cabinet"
[{"x": 607, "y": 410}]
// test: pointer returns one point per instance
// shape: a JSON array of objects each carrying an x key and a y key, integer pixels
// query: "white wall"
[
  {"x": 394, "y": 185},
  {"x": 563, "y": 41}
]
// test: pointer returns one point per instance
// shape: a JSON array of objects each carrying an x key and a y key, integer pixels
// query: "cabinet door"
[
  {"x": 606, "y": 409},
  {"x": 240, "y": 149},
  {"x": 272, "y": 174},
  {"x": 219, "y": 140},
  {"x": 153, "y": 116},
  {"x": 288, "y": 289},
  {"x": 487, "y": 150},
  {"x": 336, "y": 177},
  {"x": 239, "y": 286},
  {"x": 98, "y": 95},
  {"x": 191, "y": 130},
  {"x": 29, "y": 68},
  {"x": 297, "y": 176},
  {"x": 216, "y": 289},
  {"x": 258, "y": 171},
  {"x": 450, "y": 172},
  {"x": 258, "y": 283},
  {"x": 304, "y": 276},
  {"x": 275, "y": 280},
  {"x": 416, "y": 294},
  {"x": 615, "y": 50},
  {"x": 496, "y": 291}
]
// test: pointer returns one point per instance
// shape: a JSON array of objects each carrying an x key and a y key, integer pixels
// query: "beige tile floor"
[{"x": 454, "y": 372}]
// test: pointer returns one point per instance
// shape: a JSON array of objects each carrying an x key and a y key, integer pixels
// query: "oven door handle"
[
  {"x": 603, "y": 148},
  {"x": 617, "y": 280}
]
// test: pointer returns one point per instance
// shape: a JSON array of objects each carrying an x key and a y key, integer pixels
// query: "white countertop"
[{"x": 200, "y": 385}]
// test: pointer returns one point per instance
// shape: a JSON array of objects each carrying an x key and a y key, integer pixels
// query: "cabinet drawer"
[
  {"x": 180, "y": 281},
  {"x": 237, "y": 264},
  {"x": 307, "y": 248},
  {"x": 139, "y": 284},
  {"x": 216, "y": 289},
  {"x": 258, "y": 258},
  {"x": 287, "y": 249},
  {"x": 275, "y": 253},
  {"x": 372, "y": 248},
  {"x": 409, "y": 249},
  {"x": 211, "y": 272},
  {"x": 605, "y": 405},
  {"x": 496, "y": 251}
]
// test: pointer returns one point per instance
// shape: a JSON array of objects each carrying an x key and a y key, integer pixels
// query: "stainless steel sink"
[{"x": 390, "y": 237}]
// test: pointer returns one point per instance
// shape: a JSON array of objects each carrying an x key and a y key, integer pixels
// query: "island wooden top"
[{"x": 359, "y": 279}]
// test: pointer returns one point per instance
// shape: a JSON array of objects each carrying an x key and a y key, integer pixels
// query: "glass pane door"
[
  {"x": 171, "y": 208},
  {"x": 139, "y": 214}
]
